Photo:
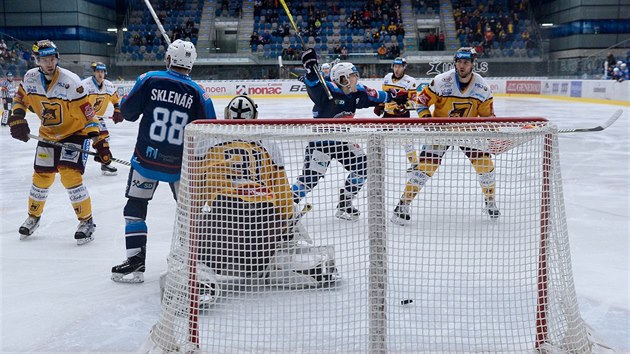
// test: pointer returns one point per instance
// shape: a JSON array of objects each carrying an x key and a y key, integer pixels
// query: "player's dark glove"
[
  {"x": 378, "y": 110},
  {"x": 117, "y": 117},
  {"x": 19, "y": 125},
  {"x": 397, "y": 95},
  {"x": 309, "y": 60},
  {"x": 102, "y": 149},
  {"x": 301, "y": 78}
]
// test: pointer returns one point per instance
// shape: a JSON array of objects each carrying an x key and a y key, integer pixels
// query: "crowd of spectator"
[
  {"x": 494, "y": 30},
  {"x": 617, "y": 69},
  {"x": 426, "y": 7},
  {"x": 330, "y": 27},
  {"x": 15, "y": 58},
  {"x": 433, "y": 41}
]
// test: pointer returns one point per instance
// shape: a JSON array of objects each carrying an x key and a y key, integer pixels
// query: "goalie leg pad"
[{"x": 303, "y": 267}]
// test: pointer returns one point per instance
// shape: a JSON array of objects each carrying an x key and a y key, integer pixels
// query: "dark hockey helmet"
[
  {"x": 241, "y": 107},
  {"x": 400, "y": 61},
  {"x": 45, "y": 48},
  {"x": 99, "y": 66},
  {"x": 465, "y": 53}
]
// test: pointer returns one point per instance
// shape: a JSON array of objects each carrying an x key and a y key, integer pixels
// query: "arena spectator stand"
[
  {"x": 143, "y": 41},
  {"x": 331, "y": 27}
]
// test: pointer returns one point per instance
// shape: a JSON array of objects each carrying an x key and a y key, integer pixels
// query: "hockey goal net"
[{"x": 451, "y": 279}]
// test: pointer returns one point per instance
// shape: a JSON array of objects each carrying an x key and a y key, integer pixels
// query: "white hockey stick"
[
  {"x": 74, "y": 148},
  {"x": 283, "y": 68},
  {"x": 601, "y": 127},
  {"x": 157, "y": 22}
]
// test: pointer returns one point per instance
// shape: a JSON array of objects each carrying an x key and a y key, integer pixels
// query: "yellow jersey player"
[
  {"x": 401, "y": 83},
  {"x": 456, "y": 93},
  {"x": 61, "y": 103},
  {"x": 251, "y": 228},
  {"x": 101, "y": 92}
]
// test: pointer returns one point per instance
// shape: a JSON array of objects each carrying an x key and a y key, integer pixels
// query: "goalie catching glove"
[
  {"x": 19, "y": 125},
  {"x": 102, "y": 149}
]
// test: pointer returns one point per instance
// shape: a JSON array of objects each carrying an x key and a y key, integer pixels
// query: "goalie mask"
[
  {"x": 181, "y": 54},
  {"x": 241, "y": 107}
]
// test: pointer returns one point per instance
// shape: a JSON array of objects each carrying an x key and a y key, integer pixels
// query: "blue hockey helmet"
[{"x": 466, "y": 53}]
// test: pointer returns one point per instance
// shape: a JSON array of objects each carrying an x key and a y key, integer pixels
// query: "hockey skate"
[
  {"x": 108, "y": 170},
  {"x": 401, "y": 215},
  {"x": 84, "y": 232},
  {"x": 345, "y": 209},
  {"x": 491, "y": 209},
  {"x": 28, "y": 227},
  {"x": 133, "y": 265},
  {"x": 303, "y": 267}
]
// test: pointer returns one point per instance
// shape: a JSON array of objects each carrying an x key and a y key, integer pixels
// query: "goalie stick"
[
  {"x": 598, "y": 128},
  {"x": 74, "y": 148}
]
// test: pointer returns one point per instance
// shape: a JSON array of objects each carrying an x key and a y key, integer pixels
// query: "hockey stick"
[
  {"x": 598, "y": 128},
  {"x": 74, "y": 148},
  {"x": 282, "y": 67},
  {"x": 297, "y": 33},
  {"x": 157, "y": 22}
]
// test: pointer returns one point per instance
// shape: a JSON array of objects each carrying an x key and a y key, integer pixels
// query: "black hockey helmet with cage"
[{"x": 241, "y": 107}]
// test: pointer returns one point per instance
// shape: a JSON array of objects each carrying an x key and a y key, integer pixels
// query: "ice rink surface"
[{"x": 57, "y": 297}]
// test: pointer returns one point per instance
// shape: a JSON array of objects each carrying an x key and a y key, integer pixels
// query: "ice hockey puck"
[{"x": 406, "y": 301}]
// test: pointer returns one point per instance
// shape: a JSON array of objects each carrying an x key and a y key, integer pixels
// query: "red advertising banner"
[{"x": 529, "y": 87}]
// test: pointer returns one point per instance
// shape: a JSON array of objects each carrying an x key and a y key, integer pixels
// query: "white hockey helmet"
[
  {"x": 241, "y": 107},
  {"x": 343, "y": 69},
  {"x": 325, "y": 66},
  {"x": 182, "y": 54}
]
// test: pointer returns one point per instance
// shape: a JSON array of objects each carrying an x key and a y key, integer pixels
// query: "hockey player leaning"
[
  {"x": 60, "y": 101},
  {"x": 348, "y": 96},
  {"x": 250, "y": 229},
  {"x": 456, "y": 93},
  {"x": 101, "y": 92},
  {"x": 168, "y": 101}
]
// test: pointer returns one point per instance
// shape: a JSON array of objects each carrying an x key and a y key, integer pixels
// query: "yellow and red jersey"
[
  {"x": 62, "y": 104},
  {"x": 406, "y": 83},
  {"x": 450, "y": 100},
  {"x": 250, "y": 170},
  {"x": 101, "y": 96}
]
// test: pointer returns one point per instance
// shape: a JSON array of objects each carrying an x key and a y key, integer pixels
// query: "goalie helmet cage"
[{"x": 452, "y": 280}]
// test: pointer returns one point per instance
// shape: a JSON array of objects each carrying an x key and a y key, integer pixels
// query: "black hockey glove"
[
  {"x": 102, "y": 149},
  {"x": 19, "y": 125},
  {"x": 378, "y": 110},
  {"x": 398, "y": 95},
  {"x": 117, "y": 117},
  {"x": 309, "y": 60},
  {"x": 301, "y": 78}
]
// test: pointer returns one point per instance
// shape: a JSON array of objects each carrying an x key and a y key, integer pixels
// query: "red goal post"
[{"x": 452, "y": 280}]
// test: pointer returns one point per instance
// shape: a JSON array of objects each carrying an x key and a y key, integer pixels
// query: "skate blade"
[
  {"x": 345, "y": 216},
  {"x": 107, "y": 173},
  {"x": 24, "y": 233},
  {"x": 83, "y": 241},
  {"x": 24, "y": 236},
  {"x": 492, "y": 216},
  {"x": 135, "y": 277},
  {"x": 399, "y": 221}
]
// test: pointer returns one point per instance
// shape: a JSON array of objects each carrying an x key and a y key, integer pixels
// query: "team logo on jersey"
[
  {"x": 371, "y": 92},
  {"x": 79, "y": 89},
  {"x": 88, "y": 110},
  {"x": 51, "y": 113},
  {"x": 460, "y": 109},
  {"x": 98, "y": 104}
]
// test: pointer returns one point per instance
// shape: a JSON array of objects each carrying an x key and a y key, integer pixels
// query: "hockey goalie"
[{"x": 248, "y": 231}]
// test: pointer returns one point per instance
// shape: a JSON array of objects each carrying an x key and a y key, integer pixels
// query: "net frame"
[{"x": 451, "y": 131}]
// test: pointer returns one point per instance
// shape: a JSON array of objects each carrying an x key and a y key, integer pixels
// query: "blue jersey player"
[
  {"x": 347, "y": 96},
  {"x": 167, "y": 101}
]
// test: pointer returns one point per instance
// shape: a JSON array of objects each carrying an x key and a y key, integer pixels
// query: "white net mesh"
[{"x": 458, "y": 276}]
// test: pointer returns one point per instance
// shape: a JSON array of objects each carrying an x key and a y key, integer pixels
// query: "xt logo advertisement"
[{"x": 438, "y": 67}]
